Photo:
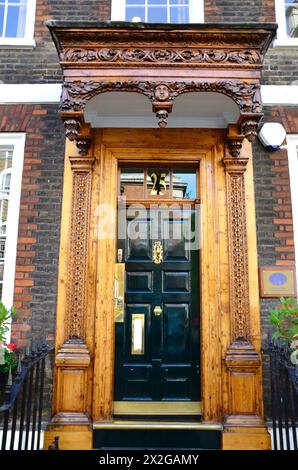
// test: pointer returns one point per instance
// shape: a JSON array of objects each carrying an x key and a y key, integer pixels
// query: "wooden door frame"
[
  {"x": 114, "y": 157},
  {"x": 231, "y": 370},
  {"x": 100, "y": 57}
]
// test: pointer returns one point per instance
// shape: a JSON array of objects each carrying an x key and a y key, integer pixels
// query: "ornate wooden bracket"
[{"x": 193, "y": 58}]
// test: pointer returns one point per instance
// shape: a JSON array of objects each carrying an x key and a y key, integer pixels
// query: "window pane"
[
  {"x": 184, "y": 184},
  {"x": 16, "y": 20},
  {"x": 133, "y": 12},
  {"x": 135, "y": 2},
  {"x": 179, "y": 14},
  {"x": 179, "y": 2},
  {"x": 1, "y": 19},
  {"x": 5, "y": 176},
  {"x": 132, "y": 183},
  {"x": 157, "y": 14},
  {"x": 157, "y": 2},
  {"x": 291, "y": 8}
]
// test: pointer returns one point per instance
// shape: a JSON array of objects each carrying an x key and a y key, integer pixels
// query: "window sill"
[{"x": 17, "y": 44}]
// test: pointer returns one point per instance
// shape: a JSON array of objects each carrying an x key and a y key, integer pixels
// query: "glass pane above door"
[{"x": 158, "y": 183}]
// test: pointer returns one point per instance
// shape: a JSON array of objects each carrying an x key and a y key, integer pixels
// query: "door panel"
[{"x": 166, "y": 296}]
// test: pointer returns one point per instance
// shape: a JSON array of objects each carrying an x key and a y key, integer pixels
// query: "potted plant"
[
  {"x": 284, "y": 318},
  {"x": 8, "y": 355}
]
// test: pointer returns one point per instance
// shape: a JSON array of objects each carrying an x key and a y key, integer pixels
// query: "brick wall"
[
  {"x": 40, "y": 65},
  {"x": 239, "y": 11},
  {"x": 39, "y": 219},
  {"x": 273, "y": 213}
]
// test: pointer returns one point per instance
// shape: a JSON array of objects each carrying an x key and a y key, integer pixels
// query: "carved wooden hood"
[{"x": 161, "y": 61}]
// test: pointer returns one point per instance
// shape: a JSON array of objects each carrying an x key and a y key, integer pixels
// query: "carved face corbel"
[{"x": 72, "y": 127}]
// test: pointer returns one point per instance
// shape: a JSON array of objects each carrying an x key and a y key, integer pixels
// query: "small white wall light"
[{"x": 272, "y": 135}]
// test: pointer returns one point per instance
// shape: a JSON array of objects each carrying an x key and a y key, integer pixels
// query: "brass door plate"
[
  {"x": 119, "y": 292},
  {"x": 137, "y": 333},
  {"x": 187, "y": 408}
]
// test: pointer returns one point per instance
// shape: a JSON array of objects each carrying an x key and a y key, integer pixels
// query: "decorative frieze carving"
[
  {"x": 77, "y": 278},
  {"x": 76, "y": 93},
  {"x": 155, "y": 56}
]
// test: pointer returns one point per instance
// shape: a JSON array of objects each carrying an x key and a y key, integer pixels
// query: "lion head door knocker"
[{"x": 157, "y": 252}]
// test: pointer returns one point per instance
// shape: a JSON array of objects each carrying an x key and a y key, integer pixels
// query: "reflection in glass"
[
  {"x": 132, "y": 183},
  {"x": 184, "y": 184},
  {"x": 5, "y": 178},
  {"x": 179, "y": 14},
  {"x": 135, "y": 12},
  {"x": 291, "y": 10},
  {"x": 157, "y": 15}
]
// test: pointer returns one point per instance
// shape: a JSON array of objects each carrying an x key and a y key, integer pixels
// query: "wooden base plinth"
[
  {"x": 73, "y": 430},
  {"x": 246, "y": 438},
  {"x": 69, "y": 439}
]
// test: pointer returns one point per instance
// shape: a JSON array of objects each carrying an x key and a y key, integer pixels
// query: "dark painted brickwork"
[
  {"x": 280, "y": 66},
  {"x": 39, "y": 220},
  {"x": 40, "y": 65},
  {"x": 237, "y": 10},
  {"x": 274, "y": 213}
]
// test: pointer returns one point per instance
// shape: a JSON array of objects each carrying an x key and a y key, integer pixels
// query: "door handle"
[{"x": 157, "y": 311}]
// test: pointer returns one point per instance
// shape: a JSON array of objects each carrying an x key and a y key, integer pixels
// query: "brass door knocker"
[{"x": 157, "y": 252}]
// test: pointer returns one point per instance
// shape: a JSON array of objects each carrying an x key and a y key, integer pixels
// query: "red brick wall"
[{"x": 39, "y": 218}]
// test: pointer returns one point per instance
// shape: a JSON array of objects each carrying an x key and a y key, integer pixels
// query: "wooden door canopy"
[{"x": 161, "y": 61}]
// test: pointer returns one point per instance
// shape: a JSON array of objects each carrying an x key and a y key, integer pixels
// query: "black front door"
[{"x": 157, "y": 343}]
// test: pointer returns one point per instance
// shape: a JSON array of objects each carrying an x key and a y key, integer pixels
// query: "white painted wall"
[{"x": 292, "y": 141}]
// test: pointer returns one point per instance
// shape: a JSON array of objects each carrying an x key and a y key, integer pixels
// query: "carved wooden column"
[
  {"x": 245, "y": 411},
  {"x": 72, "y": 357}
]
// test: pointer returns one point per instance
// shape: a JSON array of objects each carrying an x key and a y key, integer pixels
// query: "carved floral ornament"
[
  {"x": 215, "y": 58},
  {"x": 161, "y": 55},
  {"x": 77, "y": 93}
]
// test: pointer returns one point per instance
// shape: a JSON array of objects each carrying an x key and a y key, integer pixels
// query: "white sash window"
[
  {"x": 11, "y": 168},
  {"x": 158, "y": 11},
  {"x": 17, "y": 18},
  {"x": 287, "y": 18}
]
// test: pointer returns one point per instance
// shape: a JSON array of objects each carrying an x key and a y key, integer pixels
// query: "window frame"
[
  {"x": 28, "y": 39},
  {"x": 292, "y": 144},
  {"x": 16, "y": 141},
  {"x": 282, "y": 38},
  {"x": 196, "y": 11}
]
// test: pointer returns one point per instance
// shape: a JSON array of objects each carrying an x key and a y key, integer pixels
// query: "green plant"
[
  {"x": 285, "y": 319},
  {"x": 5, "y": 317},
  {"x": 10, "y": 358}
]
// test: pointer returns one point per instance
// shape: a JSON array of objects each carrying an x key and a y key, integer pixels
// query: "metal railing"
[
  {"x": 21, "y": 413},
  {"x": 284, "y": 396}
]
